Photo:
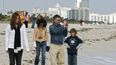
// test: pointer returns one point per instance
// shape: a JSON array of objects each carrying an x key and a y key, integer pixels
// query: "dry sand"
[{"x": 99, "y": 47}]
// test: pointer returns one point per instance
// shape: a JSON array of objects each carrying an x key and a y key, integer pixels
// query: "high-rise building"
[
  {"x": 81, "y": 10},
  {"x": 77, "y": 3},
  {"x": 79, "y": 14},
  {"x": 73, "y": 14},
  {"x": 84, "y": 3}
]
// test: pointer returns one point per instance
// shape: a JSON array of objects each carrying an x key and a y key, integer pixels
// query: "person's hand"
[
  {"x": 67, "y": 45},
  {"x": 48, "y": 44},
  {"x": 65, "y": 24},
  {"x": 77, "y": 48},
  {"x": 28, "y": 50},
  {"x": 34, "y": 44}
]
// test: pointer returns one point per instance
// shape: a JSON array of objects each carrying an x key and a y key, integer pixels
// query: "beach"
[{"x": 99, "y": 47}]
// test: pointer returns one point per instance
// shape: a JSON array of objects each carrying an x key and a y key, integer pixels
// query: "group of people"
[
  {"x": 26, "y": 18},
  {"x": 16, "y": 39}
]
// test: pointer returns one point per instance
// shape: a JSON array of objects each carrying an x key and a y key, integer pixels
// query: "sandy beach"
[{"x": 99, "y": 47}]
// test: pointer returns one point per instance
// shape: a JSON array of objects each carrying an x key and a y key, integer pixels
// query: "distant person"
[
  {"x": 16, "y": 39},
  {"x": 81, "y": 22},
  {"x": 26, "y": 19},
  {"x": 22, "y": 17},
  {"x": 57, "y": 34},
  {"x": 72, "y": 43},
  {"x": 33, "y": 20},
  {"x": 40, "y": 38}
]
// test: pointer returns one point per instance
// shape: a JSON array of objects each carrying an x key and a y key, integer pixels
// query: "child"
[
  {"x": 26, "y": 18},
  {"x": 40, "y": 39},
  {"x": 72, "y": 43}
]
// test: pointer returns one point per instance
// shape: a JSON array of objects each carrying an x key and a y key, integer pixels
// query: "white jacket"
[{"x": 10, "y": 34}]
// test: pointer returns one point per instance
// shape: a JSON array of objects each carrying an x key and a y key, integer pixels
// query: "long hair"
[
  {"x": 14, "y": 19},
  {"x": 43, "y": 21}
]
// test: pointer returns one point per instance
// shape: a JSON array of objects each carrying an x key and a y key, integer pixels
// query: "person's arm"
[
  {"x": 34, "y": 37},
  {"x": 65, "y": 32},
  {"x": 80, "y": 43},
  {"x": 78, "y": 46},
  {"x": 25, "y": 38},
  {"x": 7, "y": 33},
  {"x": 48, "y": 44},
  {"x": 46, "y": 35},
  {"x": 29, "y": 20},
  {"x": 66, "y": 43}
]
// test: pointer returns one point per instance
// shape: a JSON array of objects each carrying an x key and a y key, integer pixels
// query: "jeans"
[
  {"x": 15, "y": 57},
  {"x": 40, "y": 46},
  {"x": 33, "y": 23},
  {"x": 72, "y": 59}
]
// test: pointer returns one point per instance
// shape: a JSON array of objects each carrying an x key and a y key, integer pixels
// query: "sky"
[{"x": 96, "y": 6}]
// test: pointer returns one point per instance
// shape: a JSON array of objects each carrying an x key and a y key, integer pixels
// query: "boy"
[{"x": 72, "y": 43}]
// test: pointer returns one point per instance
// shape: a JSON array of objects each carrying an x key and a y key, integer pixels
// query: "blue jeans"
[
  {"x": 33, "y": 23},
  {"x": 72, "y": 59},
  {"x": 40, "y": 47}
]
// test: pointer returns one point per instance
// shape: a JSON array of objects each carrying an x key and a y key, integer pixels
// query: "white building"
[
  {"x": 106, "y": 18},
  {"x": 62, "y": 11}
]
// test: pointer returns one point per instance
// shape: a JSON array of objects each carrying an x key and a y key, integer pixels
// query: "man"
[
  {"x": 33, "y": 20},
  {"x": 57, "y": 33}
]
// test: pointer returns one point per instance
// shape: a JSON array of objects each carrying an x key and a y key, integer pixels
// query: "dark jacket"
[
  {"x": 57, "y": 32},
  {"x": 73, "y": 42}
]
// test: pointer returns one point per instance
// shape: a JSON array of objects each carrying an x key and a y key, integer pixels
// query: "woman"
[
  {"x": 26, "y": 19},
  {"x": 16, "y": 38},
  {"x": 40, "y": 39}
]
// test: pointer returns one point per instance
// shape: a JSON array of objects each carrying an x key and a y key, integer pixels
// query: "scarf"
[{"x": 17, "y": 40}]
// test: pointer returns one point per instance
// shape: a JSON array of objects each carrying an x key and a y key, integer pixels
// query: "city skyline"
[{"x": 98, "y": 6}]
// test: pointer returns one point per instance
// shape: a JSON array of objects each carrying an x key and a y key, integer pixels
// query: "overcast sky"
[{"x": 99, "y": 6}]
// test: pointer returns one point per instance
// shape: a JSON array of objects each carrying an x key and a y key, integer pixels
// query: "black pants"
[
  {"x": 26, "y": 24},
  {"x": 72, "y": 59},
  {"x": 15, "y": 57}
]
